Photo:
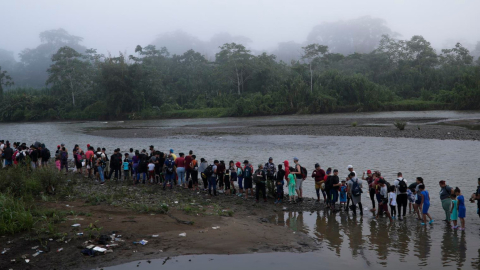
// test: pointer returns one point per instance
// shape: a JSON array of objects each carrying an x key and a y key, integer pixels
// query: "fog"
[{"x": 120, "y": 25}]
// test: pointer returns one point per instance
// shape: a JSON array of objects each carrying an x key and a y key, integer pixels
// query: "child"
[
  {"x": 151, "y": 171},
  {"x": 392, "y": 201},
  {"x": 454, "y": 211},
  {"x": 411, "y": 199},
  {"x": 383, "y": 203},
  {"x": 126, "y": 168},
  {"x": 343, "y": 194},
  {"x": 226, "y": 181},
  {"x": 461, "y": 208},
  {"x": 424, "y": 204},
  {"x": 291, "y": 186},
  {"x": 279, "y": 184}
]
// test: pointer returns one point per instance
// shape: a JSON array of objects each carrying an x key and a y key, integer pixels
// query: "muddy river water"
[{"x": 344, "y": 240}]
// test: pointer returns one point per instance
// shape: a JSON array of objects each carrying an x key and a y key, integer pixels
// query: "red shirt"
[
  {"x": 319, "y": 175},
  {"x": 188, "y": 160},
  {"x": 89, "y": 154},
  {"x": 180, "y": 162}
]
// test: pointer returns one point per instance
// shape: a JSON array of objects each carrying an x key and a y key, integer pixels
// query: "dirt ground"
[{"x": 246, "y": 230}]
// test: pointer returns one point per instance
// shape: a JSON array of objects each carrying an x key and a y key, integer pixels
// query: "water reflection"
[{"x": 381, "y": 244}]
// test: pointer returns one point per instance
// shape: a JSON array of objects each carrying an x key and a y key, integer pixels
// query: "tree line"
[{"x": 83, "y": 84}]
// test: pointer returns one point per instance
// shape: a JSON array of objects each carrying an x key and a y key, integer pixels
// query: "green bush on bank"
[{"x": 19, "y": 187}]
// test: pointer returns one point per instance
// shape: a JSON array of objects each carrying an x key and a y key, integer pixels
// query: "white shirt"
[
  {"x": 396, "y": 183},
  {"x": 151, "y": 166},
  {"x": 392, "y": 198}
]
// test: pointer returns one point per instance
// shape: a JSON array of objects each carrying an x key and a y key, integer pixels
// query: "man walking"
[{"x": 402, "y": 197}]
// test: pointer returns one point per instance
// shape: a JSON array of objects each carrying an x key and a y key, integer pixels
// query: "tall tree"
[
  {"x": 69, "y": 73},
  {"x": 36, "y": 61},
  {"x": 237, "y": 62},
  {"x": 311, "y": 53},
  {"x": 5, "y": 80}
]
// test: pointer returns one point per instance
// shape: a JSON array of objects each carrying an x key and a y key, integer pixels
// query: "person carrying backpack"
[
  {"x": 401, "y": 187},
  {"x": 355, "y": 193},
  {"x": 64, "y": 160},
  {"x": 169, "y": 172},
  {"x": 248, "y": 178},
  {"x": 300, "y": 173}
]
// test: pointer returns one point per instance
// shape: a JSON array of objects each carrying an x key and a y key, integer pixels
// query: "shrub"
[
  {"x": 354, "y": 124},
  {"x": 400, "y": 125}
]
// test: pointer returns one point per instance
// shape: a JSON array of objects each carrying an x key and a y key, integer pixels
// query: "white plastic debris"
[
  {"x": 76, "y": 225},
  {"x": 35, "y": 247},
  {"x": 99, "y": 249},
  {"x": 217, "y": 227},
  {"x": 155, "y": 235},
  {"x": 27, "y": 260},
  {"x": 183, "y": 234},
  {"x": 176, "y": 201}
]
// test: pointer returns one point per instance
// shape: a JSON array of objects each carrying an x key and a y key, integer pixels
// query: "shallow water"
[{"x": 404, "y": 244}]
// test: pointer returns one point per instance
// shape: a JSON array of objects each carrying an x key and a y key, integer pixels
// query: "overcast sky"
[{"x": 119, "y": 25}]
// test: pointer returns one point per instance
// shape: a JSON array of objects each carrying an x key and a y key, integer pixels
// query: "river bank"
[
  {"x": 417, "y": 127},
  {"x": 211, "y": 225}
]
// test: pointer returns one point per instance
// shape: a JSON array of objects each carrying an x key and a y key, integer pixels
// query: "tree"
[
  {"x": 69, "y": 73},
  {"x": 5, "y": 80},
  {"x": 458, "y": 56},
  {"x": 237, "y": 62},
  {"x": 35, "y": 62},
  {"x": 312, "y": 53}
]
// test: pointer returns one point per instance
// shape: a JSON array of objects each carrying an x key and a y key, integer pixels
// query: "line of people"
[{"x": 169, "y": 170}]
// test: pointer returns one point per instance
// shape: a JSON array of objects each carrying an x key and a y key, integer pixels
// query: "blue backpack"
[
  {"x": 169, "y": 163},
  {"x": 356, "y": 190},
  {"x": 247, "y": 172}
]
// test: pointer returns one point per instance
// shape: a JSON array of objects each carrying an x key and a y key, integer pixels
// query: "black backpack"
[
  {"x": 47, "y": 154},
  {"x": 208, "y": 171},
  {"x": 402, "y": 186}
]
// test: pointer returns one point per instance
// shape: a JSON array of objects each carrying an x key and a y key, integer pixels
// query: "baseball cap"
[
  {"x": 343, "y": 180},
  {"x": 62, "y": 144},
  {"x": 245, "y": 162},
  {"x": 369, "y": 171},
  {"x": 171, "y": 150},
  {"x": 295, "y": 158},
  {"x": 238, "y": 164},
  {"x": 349, "y": 167},
  {"x": 270, "y": 158},
  {"x": 317, "y": 165}
]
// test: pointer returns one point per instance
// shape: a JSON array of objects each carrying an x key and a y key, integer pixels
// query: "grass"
[
  {"x": 354, "y": 124},
  {"x": 400, "y": 125}
]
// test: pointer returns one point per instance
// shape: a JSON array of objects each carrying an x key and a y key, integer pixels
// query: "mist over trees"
[{"x": 181, "y": 76}]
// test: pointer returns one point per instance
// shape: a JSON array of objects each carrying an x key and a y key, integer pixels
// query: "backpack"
[
  {"x": 328, "y": 183},
  {"x": 47, "y": 154},
  {"x": 208, "y": 171},
  {"x": 402, "y": 186},
  {"x": 247, "y": 172},
  {"x": 64, "y": 156},
  {"x": 169, "y": 165},
  {"x": 356, "y": 190},
  {"x": 303, "y": 172}
]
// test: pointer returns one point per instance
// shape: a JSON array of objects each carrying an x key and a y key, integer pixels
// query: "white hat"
[{"x": 349, "y": 167}]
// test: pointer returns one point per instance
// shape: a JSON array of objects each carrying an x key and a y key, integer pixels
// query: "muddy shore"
[
  {"x": 422, "y": 128},
  {"x": 242, "y": 226}
]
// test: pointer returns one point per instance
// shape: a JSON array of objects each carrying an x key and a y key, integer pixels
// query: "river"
[{"x": 361, "y": 241}]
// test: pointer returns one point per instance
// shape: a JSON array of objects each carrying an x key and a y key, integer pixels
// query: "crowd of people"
[{"x": 236, "y": 179}]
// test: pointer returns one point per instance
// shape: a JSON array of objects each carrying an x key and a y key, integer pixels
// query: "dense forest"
[{"x": 365, "y": 70}]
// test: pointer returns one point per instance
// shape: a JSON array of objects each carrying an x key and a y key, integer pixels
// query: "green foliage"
[
  {"x": 152, "y": 83},
  {"x": 400, "y": 125},
  {"x": 354, "y": 124}
]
